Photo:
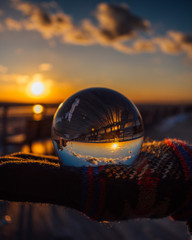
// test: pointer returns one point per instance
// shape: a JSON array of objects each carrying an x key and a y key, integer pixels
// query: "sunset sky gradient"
[{"x": 142, "y": 49}]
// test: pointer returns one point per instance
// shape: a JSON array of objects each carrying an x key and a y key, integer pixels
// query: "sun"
[
  {"x": 37, "y": 88},
  {"x": 115, "y": 145},
  {"x": 38, "y": 109}
]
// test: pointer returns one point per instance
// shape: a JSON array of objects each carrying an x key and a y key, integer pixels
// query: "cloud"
[
  {"x": 8, "y": 78},
  {"x": 183, "y": 40},
  {"x": 123, "y": 48},
  {"x": 3, "y": 69},
  {"x": 138, "y": 46},
  {"x": 45, "y": 67},
  {"x": 24, "y": 80},
  {"x": 86, "y": 34},
  {"x": 115, "y": 26},
  {"x": 175, "y": 43},
  {"x": 167, "y": 45},
  {"x": 144, "y": 46},
  {"x": 48, "y": 24},
  {"x": 117, "y": 22},
  {"x": 13, "y": 24}
]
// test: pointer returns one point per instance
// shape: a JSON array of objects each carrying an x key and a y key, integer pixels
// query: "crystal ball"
[{"x": 97, "y": 126}]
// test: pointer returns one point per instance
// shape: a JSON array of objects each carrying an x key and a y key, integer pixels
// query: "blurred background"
[{"x": 52, "y": 49}]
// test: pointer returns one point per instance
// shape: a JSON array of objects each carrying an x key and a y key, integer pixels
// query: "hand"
[{"x": 156, "y": 185}]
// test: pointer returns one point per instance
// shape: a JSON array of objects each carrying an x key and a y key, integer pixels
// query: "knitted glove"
[{"x": 156, "y": 185}]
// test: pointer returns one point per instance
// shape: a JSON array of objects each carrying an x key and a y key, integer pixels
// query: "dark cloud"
[
  {"x": 118, "y": 22},
  {"x": 43, "y": 18},
  {"x": 187, "y": 38}
]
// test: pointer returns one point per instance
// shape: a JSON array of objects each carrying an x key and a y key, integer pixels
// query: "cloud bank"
[{"x": 116, "y": 26}]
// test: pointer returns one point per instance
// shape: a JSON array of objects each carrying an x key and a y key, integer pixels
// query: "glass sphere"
[{"x": 97, "y": 126}]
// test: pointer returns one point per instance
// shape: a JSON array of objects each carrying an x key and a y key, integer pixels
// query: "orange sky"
[{"x": 143, "y": 55}]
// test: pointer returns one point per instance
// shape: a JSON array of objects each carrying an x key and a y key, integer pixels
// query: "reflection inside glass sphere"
[{"x": 97, "y": 126}]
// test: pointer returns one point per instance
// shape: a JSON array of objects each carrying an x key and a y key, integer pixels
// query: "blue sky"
[{"x": 140, "y": 48}]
